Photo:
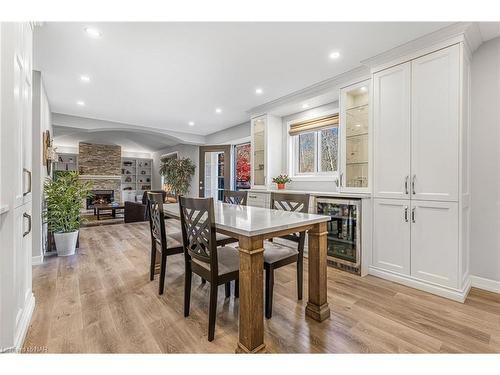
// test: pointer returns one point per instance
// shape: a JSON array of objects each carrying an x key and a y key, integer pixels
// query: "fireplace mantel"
[{"x": 99, "y": 177}]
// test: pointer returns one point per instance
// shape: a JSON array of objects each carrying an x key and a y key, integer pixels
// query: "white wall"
[
  {"x": 41, "y": 123},
  {"x": 485, "y": 163},
  {"x": 184, "y": 151},
  {"x": 233, "y": 135},
  {"x": 328, "y": 186}
]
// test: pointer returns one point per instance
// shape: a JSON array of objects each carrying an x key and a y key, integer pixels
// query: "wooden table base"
[
  {"x": 317, "y": 306},
  {"x": 251, "y": 325}
]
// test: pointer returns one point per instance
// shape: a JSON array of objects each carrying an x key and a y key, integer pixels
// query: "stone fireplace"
[{"x": 101, "y": 165}]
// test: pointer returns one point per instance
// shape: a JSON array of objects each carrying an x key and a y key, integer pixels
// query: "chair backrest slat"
[
  {"x": 157, "y": 219},
  {"x": 198, "y": 230},
  {"x": 235, "y": 197},
  {"x": 290, "y": 202}
]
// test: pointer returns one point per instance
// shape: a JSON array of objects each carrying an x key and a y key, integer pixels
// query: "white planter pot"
[{"x": 66, "y": 243}]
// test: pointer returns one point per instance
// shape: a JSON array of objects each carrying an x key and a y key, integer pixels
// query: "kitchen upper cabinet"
[
  {"x": 391, "y": 235},
  {"x": 354, "y": 137},
  {"x": 435, "y": 113},
  {"x": 266, "y": 139},
  {"x": 434, "y": 242},
  {"x": 391, "y": 132}
]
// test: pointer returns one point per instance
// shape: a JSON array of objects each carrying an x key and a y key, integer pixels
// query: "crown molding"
[
  {"x": 355, "y": 75},
  {"x": 468, "y": 32}
]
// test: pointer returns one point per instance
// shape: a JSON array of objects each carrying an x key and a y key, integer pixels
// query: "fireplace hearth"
[{"x": 100, "y": 197}]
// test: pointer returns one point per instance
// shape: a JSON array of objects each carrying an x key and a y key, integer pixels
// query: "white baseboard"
[
  {"x": 35, "y": 261},
  {"x": 453, "y": 294},
  {"x": 25, "y": 323},
  {"x": 486, "y": 284}
]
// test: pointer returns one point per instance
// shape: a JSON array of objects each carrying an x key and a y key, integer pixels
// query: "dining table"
[{"x": 251, "y": 226}]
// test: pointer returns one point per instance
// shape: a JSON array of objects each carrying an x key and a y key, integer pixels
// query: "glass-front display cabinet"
[
  {"x": 266, "y": 155},
  {"x": 354, "y": 125}
]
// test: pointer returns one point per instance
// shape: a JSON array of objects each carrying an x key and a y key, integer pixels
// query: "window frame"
[{"x": 293, "y": 153}]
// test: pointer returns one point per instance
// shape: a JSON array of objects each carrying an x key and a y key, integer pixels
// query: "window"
[{"x": 314, "y": 147}]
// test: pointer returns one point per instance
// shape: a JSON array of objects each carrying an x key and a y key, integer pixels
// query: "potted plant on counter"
[
  {"x": 178, "y": 174},
  {"x": 281, "y": 181},
  {"x": 64, "y": 196}
]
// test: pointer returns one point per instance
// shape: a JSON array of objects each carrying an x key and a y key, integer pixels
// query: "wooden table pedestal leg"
[
  {"x": 251, "y": 325},
  {"x": 317, "y": 306}
]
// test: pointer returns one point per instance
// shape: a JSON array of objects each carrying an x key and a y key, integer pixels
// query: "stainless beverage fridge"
[{"x": 344, "y": 232}]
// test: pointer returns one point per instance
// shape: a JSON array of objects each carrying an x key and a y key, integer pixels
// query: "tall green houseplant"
[
  {"x": 64, "y": 197},
  {"x": 178, "y": 174}
]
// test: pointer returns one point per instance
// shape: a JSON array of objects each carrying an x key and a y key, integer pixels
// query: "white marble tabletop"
[{"x": 251, "y": 221}]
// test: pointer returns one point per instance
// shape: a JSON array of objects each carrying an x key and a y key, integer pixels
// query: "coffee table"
[{"x": 98, "y": 208}]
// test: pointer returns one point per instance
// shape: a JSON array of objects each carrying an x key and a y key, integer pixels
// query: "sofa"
[{"x": 138, "y": 211}]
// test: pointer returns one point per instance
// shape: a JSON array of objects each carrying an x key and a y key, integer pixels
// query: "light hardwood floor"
[{"x": 101, "y": 301}]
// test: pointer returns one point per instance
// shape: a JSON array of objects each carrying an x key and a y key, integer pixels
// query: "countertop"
[
  {"x": 315, "y": 193},
  {"x": 252, "y": 221}
]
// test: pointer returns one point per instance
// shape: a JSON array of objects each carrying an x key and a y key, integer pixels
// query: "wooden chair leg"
[
  {"x": 163, "y": 271},
  {"x": 212, "y": 310},
  {"x": 203, "y": 281},
  {"x": 152, "y": 265},
  {"x": 269, "y": 292},
  {"x": 228, "y": 289},
  {"x": 237, "y": 288},
  {"x": 300, "y": 278},
  {"x": 187, "y": 290}
]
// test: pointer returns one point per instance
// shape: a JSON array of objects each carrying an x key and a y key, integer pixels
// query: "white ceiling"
[{"x": 164, "y": 75}]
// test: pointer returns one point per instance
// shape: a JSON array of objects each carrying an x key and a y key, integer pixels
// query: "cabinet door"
[
  {"x": 434, "y": 242},
  {"x": 354, "y": 137},
  {"x": 435, "y": 125},
  {"x": 259, "y": 151},
  {"x": 391, "y": 132},
  {"x": 22, "y": 262},
  {"x": 391, "y": 235}
]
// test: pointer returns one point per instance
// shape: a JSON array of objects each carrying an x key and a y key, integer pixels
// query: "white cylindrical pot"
[{"x": 66, "y": 243}]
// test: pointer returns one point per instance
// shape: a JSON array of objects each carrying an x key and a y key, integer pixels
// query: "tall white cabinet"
[
  {"x": 421, "y": 180},
  {"x": 16, "y": 297}
]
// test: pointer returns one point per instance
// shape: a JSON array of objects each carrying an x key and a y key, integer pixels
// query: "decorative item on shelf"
[
  {"x": 128, "y": 163},
  {"x": 127, "y": 188},
  {"x": 49, "y": 151},
  {"x": 64, "y": 197},
  {"x": 281, "y": 180},
  {"x": 178, "y": 174},
  {"x": 128, "y": 179},
  {"x": 127, "y": 172},
  {"x": 148, "y": 179},
  {"x": 146, "y": 164},
  {"x": 143, "y": 172}
]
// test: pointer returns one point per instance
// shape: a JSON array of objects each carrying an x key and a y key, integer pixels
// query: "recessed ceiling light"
[
  {"x": 85, "y": 78},
  {"x": 81, "y": 103},
  {"x": 218, "y": 110},
  {"x": 92, "y": 32},
  {"x": 191, "y": 123},
  {"x": 334, "y": 55},
  {"x": 363, "y": 89},
  {"x": 305, "y": 105},
  {"x": 258, "y": 91}
]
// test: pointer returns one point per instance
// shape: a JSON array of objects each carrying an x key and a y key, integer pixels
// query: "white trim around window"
[{"x": 292, "y": 146}]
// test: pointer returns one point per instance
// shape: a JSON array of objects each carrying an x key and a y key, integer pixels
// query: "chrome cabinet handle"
[
  {"x": 406, "y": 213},
  {"x": 413, "y": 184},
  {"x": 406, "y": 184},
  {"x": 25, "y": 215},
  {"x": 342, "y": 179},
  {"x": 29, "y": 185},
  {"x": 413, "y": 215}
]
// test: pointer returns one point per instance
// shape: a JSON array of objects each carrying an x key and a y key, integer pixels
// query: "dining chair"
[
  {"x": 276, "y": 256},
  {"x": 216, "y": 265},
  {"x": 235, "y": 197},
  {"x": 166, "y": 244}
]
